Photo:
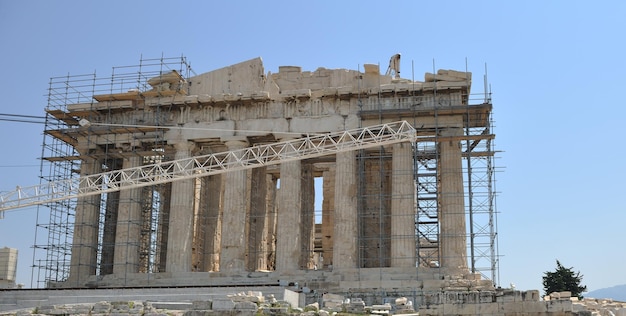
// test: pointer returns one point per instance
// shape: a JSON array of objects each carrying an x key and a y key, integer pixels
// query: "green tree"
[{"x": 563, "y": 279}]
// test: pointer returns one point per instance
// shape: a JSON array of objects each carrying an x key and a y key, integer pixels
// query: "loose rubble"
[{"x": 255, "y": 303}]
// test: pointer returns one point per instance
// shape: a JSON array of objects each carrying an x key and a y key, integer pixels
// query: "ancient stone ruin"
[{"x": 211, "y": 180}]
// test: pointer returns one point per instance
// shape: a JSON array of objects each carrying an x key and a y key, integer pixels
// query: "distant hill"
[{"x": 617, "y": 293}]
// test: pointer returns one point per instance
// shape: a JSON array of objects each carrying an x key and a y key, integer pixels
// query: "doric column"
[
  {"x": 165, "y": 194},
  {"x": 83, "y": 260},
  {"x": 146, "y": 257},
  {"x": 128, "y": 231},
  {"x": 288, "y": 242},
  {"x": 375, "y": 209},
  {"x": 211, "y": 200},
  {"x": 402, "y": 207},
  {"x": 272, "y": 219},
  {"x": 180, "y": 231},
  {"x": 451, "y": 200},
  {"x": 345, "y": 235},
  {"x": 307, "y": 222},
  {"x": 236, "y": 195},
  {"x": 258, "y": 223},
  {"x": 328, "y": 215},
  {"x": 109, "y": 226},
  {"x": 197, "y": 253}
]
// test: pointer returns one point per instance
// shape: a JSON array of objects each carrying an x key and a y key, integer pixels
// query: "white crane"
[
  {"x": 394, "y": 66},
  {"x": 257, "y": 156}
]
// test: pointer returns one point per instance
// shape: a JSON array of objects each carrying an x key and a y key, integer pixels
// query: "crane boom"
[{"x": 312, "y": 146}]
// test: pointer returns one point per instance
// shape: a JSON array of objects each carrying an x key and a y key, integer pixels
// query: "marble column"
[
  {"x": 272, "y": 220},
  {"x": 211, "y": 201},
  {"x": 236, "y": 195},
  {"x": 375, "y": 210},
  {"x": 307, "y": 221},
  {"x": 109, "y": 228},
  {"x": 258, "y": 224},
  {"x": 452, "y": 202},
  {"x": 345, "y": 247},
  {"x": 197, "y": 253},
  {"x": 328, "y": 215},
  {"x": 403, "y": 240},
  {"x": 83, "y": 261},
  {"x": 288, "y": 240},
  {"x": 128, "y": 231},
  {"x": 180, "y": 231},
  {"x": 165, "y": 195}
]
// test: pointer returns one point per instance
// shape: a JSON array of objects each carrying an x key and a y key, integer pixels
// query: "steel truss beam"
[{"x": 199, "y": 166}]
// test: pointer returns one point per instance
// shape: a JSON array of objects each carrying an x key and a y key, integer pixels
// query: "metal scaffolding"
[
  {"x": 96, "y": 186},
  {"x": 61, "y": 161}
]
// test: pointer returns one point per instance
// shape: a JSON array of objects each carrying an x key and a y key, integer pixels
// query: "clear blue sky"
[{"x": 557, "y": 70}]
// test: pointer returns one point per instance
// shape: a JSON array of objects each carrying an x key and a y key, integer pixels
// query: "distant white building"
[{"x": 8, "y": 267}]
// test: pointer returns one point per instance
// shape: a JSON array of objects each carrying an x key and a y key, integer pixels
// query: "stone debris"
[
  {"x": 505, "y": 302},
  {"x": 332, "y": 302},
  {"x": 355, "y": 305},
  {"x": 251, "y": 296},
  {"x": 403, "y": 306},
  {"x": 383, "y": 309}
]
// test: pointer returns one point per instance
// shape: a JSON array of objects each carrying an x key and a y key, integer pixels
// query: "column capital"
[
  {"x": 183, "y": 145},
  {"x": 235, "y": 142},
  {"x": 84, "y": 146},
  {"x": 451, "y": 131},
  {"x": 285, "y": 137}
]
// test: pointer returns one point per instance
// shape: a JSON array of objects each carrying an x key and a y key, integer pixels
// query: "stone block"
[
  {"x": 313, "y": 306},
  {"x": 559, "y": 306},
  {"x": 222, "y": 304},
  {"x": 315, "y": 124},
  {"x": 381, "y": 307},
  {"x": 509, "y": 296},
  {"x": 331, "y": 299},
  {"x": 371, "y": 69},
  {"x": 289, "y": 69},
  {"x": 432, "y": 284},
  {"x": 463, "y": 309},
  {"x": 535, "y": 307},
  {"x": 260, "y": 95},
  {"x": 246, "y": 306},
  {"x": 515, "y": 307},
  {"x": 195, "y": 313},
  {"x": 330, "y": 92},
  {"x": 487, "y": 297},
  {"x": 486, "y": 309},
  {"x": 202, "y": 305},
  {"x": 295, "y": 299},
  {"x": 531, "y": 295},
  {"x": 387, "y": 88},
  {"x": 472, "y": 276},
  {"x": 218, "y": 98},
  {"x": 455, "y": 73},
  {"x": 205, "y": 98},
  {"x": 344, "y": 90},
  {"x": 80, "y": 106},
  {"x": 78, "y": 309},
  {"x": 172, "y": 305},
  {"x": 101, "y": 307},
  {"x": 177, "y": 99},
  {"x": 298, "y": 93},
  {"x": 190, "y": 99}
]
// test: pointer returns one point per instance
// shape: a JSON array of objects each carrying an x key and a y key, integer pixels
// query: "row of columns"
[{"x": 229, "y": 235}]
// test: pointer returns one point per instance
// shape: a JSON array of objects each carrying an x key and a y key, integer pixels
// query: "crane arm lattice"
[{"x": 198, "y": 166}]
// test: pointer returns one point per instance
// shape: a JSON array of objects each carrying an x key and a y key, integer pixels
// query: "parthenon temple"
[{"x": 407, "y": 215}]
